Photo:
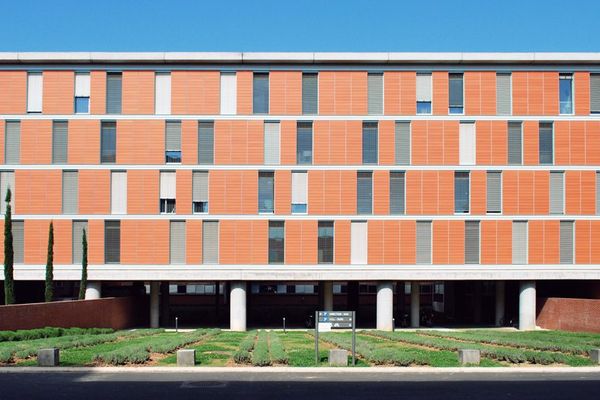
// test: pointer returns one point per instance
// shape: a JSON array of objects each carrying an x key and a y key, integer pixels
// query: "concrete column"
[
  {"x": 237, "y": 315},
  {"x": 527, "y": 305},
  {"x": 154, "y": 304},
  {"x": 415, "y": 304},
  {"x": 385, "y": 306},
  {"x": 500, "y": 288},
  {"x": 93, "y": 290},
  {"x": 327, "y": 296}
]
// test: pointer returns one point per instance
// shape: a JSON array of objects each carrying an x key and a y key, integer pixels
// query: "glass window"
[
  {"x": 276, "y": 242},
  {"x": 461, "y": 192},
  {"x": 82, "y": 105},
  {"x": 546, "y": 151},
  {"x": 112, "y": 242},
  {"x": 265, "y": 192},
  {"x": 455, "y": 93},
  {"x": 423, "y": 93},
  {"x": 423, "y": 107},
  {"x": 173, "y": 142},
  {"x": 260, "y": 93},
  {"x": 369, "y": 143},
  {"x": 364, "y": 193},
  {"x": 304, "y": 143},
  {"x": 108, "y": 145},
  {"x": 325, "y": 242},
  {"x": 114, "y": 88},
  {"x": 396, "y": 192},
  {"x": 206, "y": 136},
  {"x": 566, "y": 93},
  {"x": 310, "y": 93}
]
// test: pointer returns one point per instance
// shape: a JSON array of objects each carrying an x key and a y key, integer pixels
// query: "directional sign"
[{"x": 328, "y": 320}]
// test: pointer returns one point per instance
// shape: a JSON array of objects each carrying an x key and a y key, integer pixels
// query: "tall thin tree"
[
  {"x": 9, "y": 283},
  {"x": 49, "y": 292},
  {"x": 83, "y": 283}
]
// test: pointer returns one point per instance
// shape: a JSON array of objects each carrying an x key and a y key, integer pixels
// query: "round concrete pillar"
[
  {"x": 237, "y": 300},
  {"x": 527, "y": 310},
  {"x": 415, "y": 304},
  {"x": 385, "y": 306},
  {"x": 154, "y": 304},
  {"x": 500, "y": 288},
  {"x": 327, "y": 296},
  {"x": 93, "y": 290}
]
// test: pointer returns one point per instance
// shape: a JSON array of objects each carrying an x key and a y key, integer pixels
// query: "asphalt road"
[{"x": 292, "y": 386}]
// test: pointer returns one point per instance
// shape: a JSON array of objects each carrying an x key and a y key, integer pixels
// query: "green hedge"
[
  {"x": 260, "y": 354},
  {"x": 48, "y": 332},
  {"x": 242, "y": 355}
]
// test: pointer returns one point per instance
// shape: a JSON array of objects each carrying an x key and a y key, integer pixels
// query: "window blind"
[
  {"x": 364, "y": 193},
  {"x": 228, "y": 93},
  {"x": 200, "y": 186},
  {"x": 177, "y": 242},
  {"x": 12, "y": 146},
  {"x": 423, "y": 234},
  {"x": 472, "y": 242},
  {"x": 206, "y": 133},
  {"x": 310, "y": 93},
  {"x": 210, "y": 242},
  {"x": 70, "y": 192},
  {"x": 557, "y": 192},
  {"x": 34, "y": 91},
  {"x": 358, "y": 245},
  {"x": 113, "y": 93},
  {"x": 59, "y": 142},
  {"x": 467, "y": 144},
  {"x": 271, "y": 143},
  {"x": 402, "y": 143},
  {"x": 162, "y": 93},
  {"x": 503, "y": 94},
  {"x": 494, "y": 192},
  {"x": 118, "y": 193},
  {"x": 566, "y": 242},
  {"x": 375, "y": 94},
  {"x": 519, "y": 242},
  {"x": 168, "y": 187},
  {"x": 78, "y": 227},
  {"x": 397, "y": 192}
]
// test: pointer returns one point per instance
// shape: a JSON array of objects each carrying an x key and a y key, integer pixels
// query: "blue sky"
[{"x": 297, "y": 25}]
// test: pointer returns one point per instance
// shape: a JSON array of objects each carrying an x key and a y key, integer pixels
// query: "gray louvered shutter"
[
  {"x": 402, "y": 143},
  {"x": 70, "y": 192},
  {"x": 7, "y": 180},
  {"x": 200, "y": 186},
  {"x": 113, "y": 93},
  {"x": 519, "y": 242},
  {"x": 310, "y": 91},
  {"x": 177, "y": 242},
  {"x": 369, "y": 143},
  {"x": 514, "y": 143},
  {"x": 423, "y": 242},
  {"x": 494, "y": 192},
  {"x": 597, "y": 193},
  {"x": 566, "y": 242},
  {"x": 375, "y": 94},
  {"x": 271, "y": 143},
  {"x": 18, "y": 241},
  {"x": 455, "y": 89},
  {"x": 210, "y": 242},
  {"x": 364, "y": 193},
  {"x": 595, "y": 93},
  {"x": 503, "y": 94},
  {"x": 59, "y": 142},
  {"x": 206, "y": 133},
  {"x": 78, "y": 227},
  {"x": 12, "y": 146},
  {"x": 112, "y": 242},
  {"x": 173, "y": 136},
  {"x": 557, "y": 184},
  {"x": 260, "y": 93},
  {"x": 472, "y": 242},
  {"x": 546, "y": 145},
  {"x": 396, "y": 192}
]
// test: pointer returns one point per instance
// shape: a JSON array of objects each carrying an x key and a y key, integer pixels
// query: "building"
[{"x": 256, "y": 186}]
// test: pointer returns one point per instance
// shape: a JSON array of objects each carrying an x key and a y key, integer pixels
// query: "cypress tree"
[
  {"x": 49, "y": 292},
  {"x": 83, "y": 283},
  {"x": 9, "y": 283}
]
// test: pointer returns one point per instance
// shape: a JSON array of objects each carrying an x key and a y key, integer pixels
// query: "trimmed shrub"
[
  {"x": 242, "y": 355},
  {"x": 260, "y": 354},
  {"x": 278, "y": 354}
]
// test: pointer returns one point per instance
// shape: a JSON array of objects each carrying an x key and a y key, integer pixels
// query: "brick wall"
[{"x": 575, "y": 315}]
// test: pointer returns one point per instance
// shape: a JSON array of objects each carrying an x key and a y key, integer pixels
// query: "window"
[
  {"x": 70, "y": 192},
  {"x": 423, "y": 255},
  {"x": 304, "y": 143},
  {"x": 494, "y": 192},
  {"x": 325, "y": 242},
  {"x": 82, "y": 93},
  {"x": 557, "y": 192},
  {"x": 265, "y": 192},
  {"x": 173, "y": 142},
  {"x": 210, "y": 242},
  {"x": 369, "y": 143},
  {"x": 260, "y": 93},
  {"x": 108, "y": 142},
  {"x": 167, "y": 192},
  {"x": 519, "y": 242},
  {"x": 114, "y": 90},
  {"x": 423, "y": 93},
  {"x": 461, "y": 192},
  {"x": 566, "y": 93},
  {"x": 364, "y": 193},
  {"x": 18, "y": 241},
  {"x": 402, "y": 143},
  {"x": 546, "y": 143},
  {"x": 396, "y": 192},
  {"x": 299, "y": 192},
  {"x": 271, "y": 143},
  {"x": 7, "y": 181},
  {"x": 358, "y": 242},
  {"x": 467, "y": 143},
  {"x": 276, "y": 242},
  {"x": 566, "y": 242},
  {"x": 310, "y": 93},
  {"x": 597, "y": 192},
  {"x": 375, "y": 93},
  {"x": 595, "y": 93},
  {"x": 59, "y": 142},
  {"x": 118, "y": 192},
  {"x": 503, "y": 94},
  {"x": 162, "y": 93},
  {"x": 471, "y": 242},
  {"x": 228, "y": 93},
  {"x": 177, "y": 242},
  {"x": 77, "y": 246},
  {"x": 200, "y": 192},
  {"x": 35, "y": 83},
  {"x": 12, "y": 146},
  {"x": 455, "y": 83},
  {"x": 514, "y": 144},
  {"x": 112, "y": 242},
  {"x": 206, "y": 137}
]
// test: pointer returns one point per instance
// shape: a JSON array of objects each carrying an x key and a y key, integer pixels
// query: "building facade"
[{"x": 307, "y": 181}]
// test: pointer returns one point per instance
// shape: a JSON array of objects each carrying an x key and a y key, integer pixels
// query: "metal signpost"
[{"x": 325, "y": 321}]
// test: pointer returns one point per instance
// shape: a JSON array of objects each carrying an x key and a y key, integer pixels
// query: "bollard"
[
  {"x": 48, "y": 357},
  {"x": 176, "y": 324},
  {"x": 469, "y": 356},
  {"x": 283, "y": 324},
  {"x": 595, "y": 356},
  {"x": 393, "y": 324},
  {"x": 186, "y": 358}
]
